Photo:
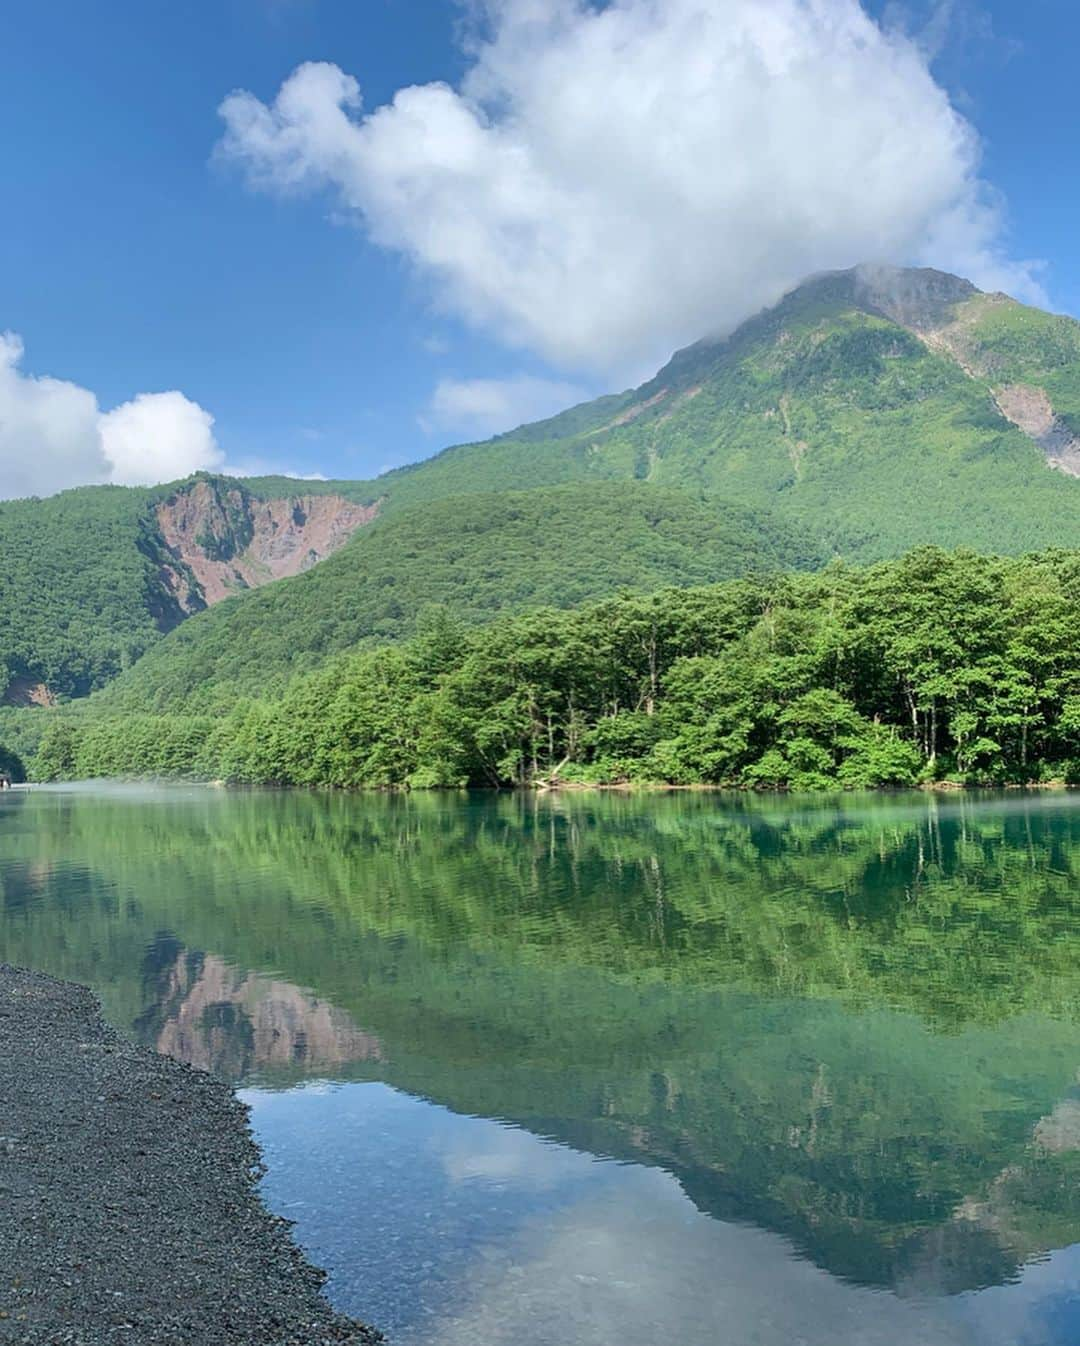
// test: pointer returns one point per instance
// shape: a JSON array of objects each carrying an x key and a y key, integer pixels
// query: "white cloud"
[
  {"x": 489, "y": 406},
  {"x": 635, "y": 1263},
  {"x": 158, "y": 437},
  {"x": 610, "y": 182},
  {"x": 52, "y": 434},
  {"x": 48, "y": 430},
  {"x": 266, "y": 467}
]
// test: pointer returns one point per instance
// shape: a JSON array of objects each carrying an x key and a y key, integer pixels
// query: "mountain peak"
[{"x": 919, "y": 298}]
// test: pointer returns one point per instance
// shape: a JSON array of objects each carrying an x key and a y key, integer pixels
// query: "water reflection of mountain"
[
  {"x": 206, "y": 1013},
  {"x": 852, "y": 1025}
]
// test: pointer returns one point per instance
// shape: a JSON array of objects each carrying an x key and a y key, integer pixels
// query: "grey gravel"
[{"x": 129, "y": 1205}]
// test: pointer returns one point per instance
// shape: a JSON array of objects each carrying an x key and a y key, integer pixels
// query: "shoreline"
[
  {"x": 542, "y": 787},
  {"x": 130, "y": 1185},
  {"x": 661, "y": 787}
]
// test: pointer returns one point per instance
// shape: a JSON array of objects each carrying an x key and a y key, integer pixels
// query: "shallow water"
[{"x": 598, "y": 1069}]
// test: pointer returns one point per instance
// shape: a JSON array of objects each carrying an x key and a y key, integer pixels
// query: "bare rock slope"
[{"x": 224, "y": 540}]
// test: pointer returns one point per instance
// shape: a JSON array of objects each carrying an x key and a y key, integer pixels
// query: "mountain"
[
  {"x": 91, "y": 578},
  {"x": 881, "y": 409},
  {"x": 478, "y": 557},
  {"x": 869, "y": 412}
]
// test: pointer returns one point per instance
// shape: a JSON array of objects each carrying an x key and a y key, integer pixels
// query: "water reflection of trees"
[{"x": 851, "y": 1022}]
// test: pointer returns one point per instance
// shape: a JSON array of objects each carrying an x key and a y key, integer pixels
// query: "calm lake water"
[{"x": 598, "y": 1069}]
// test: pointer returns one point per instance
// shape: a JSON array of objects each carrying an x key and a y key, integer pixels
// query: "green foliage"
[
  {"x": 21, "y": 732},
  {"x": 56, "y": 757},
  {"x": 479, "y": 557},
  {"x": 12, "y": 767},
  {"x": 940, "y": 665},
  {"x": 80, "y": 599}
]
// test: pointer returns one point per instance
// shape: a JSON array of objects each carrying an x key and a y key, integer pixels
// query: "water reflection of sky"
[
  {"x": 854, "y": 1021},
  {"x": 452, "y": 1230}
]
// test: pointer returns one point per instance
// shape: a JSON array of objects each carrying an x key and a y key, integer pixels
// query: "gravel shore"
[{"x": 129, "y": 1206}]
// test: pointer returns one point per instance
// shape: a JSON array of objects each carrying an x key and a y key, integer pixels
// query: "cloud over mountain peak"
[{"x": 608, "y": 183}]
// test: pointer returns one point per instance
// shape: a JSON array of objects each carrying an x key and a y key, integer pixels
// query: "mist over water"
[{"x": 601, "y": 1068}]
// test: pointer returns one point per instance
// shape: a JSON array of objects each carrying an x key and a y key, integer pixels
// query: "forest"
[
  {"x": 79, "y": 598},
  {"x": 481, "y": 557},
  {"x": 939, "y": 666}
]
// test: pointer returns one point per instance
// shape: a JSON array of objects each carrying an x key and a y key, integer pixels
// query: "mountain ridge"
[{"x": 870, "y": 411}]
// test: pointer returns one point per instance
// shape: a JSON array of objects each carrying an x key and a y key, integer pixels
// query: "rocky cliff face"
[
  {"x": 26, "y": 692},
  {"x": 221, "y": 539}
]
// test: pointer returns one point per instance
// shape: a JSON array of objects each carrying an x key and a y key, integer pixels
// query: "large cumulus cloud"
[
  {"x": 611, "y": 181},
  {"x": 158, "y": 437}
]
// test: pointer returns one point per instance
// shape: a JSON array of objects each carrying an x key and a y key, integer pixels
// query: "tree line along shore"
[{"x": 939, "y": 666}]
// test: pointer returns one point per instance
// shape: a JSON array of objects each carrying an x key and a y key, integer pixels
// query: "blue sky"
[{"x": 311, "y": 285}]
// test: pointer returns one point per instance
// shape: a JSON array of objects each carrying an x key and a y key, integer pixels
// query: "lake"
[{"x": 600, "y": 1068}]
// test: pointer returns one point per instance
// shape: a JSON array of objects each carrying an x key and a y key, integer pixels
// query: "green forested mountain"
[
  {"x": 872, "y": 407},
  {"x": 91, "y": 578},
  {"x": 479, "y": 557},
  {"x": 870, "y": 411}
]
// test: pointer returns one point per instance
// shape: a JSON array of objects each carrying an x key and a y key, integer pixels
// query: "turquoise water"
[{"x": 599, "y": 1068}]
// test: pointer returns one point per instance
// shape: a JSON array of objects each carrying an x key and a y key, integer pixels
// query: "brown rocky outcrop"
[
  {"x": 1031, "y": 410},
  {"x": 224, "y": 540},
  {"x": 24, "y": 692}
]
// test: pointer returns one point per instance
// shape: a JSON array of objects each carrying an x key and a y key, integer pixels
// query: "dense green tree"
[
  {"x": 939, "y": 665},
  {"x": 56, "y": 757},
  {"x": 11, "y": 765}
]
